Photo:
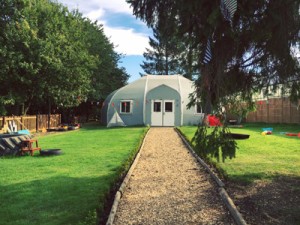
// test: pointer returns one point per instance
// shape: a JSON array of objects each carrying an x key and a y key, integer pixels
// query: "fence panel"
[
  {"x": 33, "y": 123},
  {"x": 28, "y": 123},
  {"x": 275, "y": 110}
]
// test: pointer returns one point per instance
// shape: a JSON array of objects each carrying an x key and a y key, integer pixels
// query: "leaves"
[
  {"x": 164, "y": 56},
  {"x": 251, "y": 52},
  {"x": 48, "y": 53},
  {"x": 217, "y": 144}
]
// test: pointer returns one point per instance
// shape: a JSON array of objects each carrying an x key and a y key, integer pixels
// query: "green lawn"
[
  {"x": 65, "y": 189},
  {"x": 261, "y": 157}
]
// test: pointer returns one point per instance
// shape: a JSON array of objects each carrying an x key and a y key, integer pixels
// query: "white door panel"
[
  {"x": 162, "y": 113},
  {"x": 156, "y": 113},
  {"x": 168, "y": 115}
]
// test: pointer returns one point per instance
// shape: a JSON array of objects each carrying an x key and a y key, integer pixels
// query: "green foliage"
[
  {"x": 217, "y": 144},
  {"x": 252, "y": 52},
  {"x": 48, "y": 53},
  {"x": 238, "y": 107},
  {"x": 167, "y": 54},
  {"x": 5, "y": 100},
  {"x": 106, "y": 76}
]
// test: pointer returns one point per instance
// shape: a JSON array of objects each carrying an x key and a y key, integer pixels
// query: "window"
[
  {"x": 198, "y": 107},
  {"x": 156, "y": 106},
  {"x": 126, "y": 107},
  {"x": 168, "y": 106}
]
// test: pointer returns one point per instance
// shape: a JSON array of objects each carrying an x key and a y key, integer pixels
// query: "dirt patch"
[{"x": 269, "y": 202}]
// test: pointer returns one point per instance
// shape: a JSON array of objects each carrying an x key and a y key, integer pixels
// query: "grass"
[
  {"x": 65, "y": 189},
  {"x": 261, "y": 157}
]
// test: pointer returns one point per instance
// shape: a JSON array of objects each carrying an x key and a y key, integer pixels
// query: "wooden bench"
[{"x": 28, "y": 146}]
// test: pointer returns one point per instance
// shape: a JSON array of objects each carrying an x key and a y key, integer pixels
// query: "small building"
[{"x": 155, "y": 100}]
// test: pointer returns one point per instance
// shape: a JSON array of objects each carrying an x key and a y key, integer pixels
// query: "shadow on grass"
[
  {"x": 54, "y": 200},
  {"x": 248, "y": 178},
  {"x": 99, "y": 126},
  {"x": 275, "y": 201},
  {"x": 92, "y": 126}
]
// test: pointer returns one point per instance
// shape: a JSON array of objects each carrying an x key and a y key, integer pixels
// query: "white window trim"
[{"x": 131, "y": 106}]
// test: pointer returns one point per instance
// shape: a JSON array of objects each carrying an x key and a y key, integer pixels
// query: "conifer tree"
[
  {"x": 163, "y": 57},
  {"x": 242, "y": 46},
  {"x": 168, "y": 55},
  {"x": 249, "y": 49}
]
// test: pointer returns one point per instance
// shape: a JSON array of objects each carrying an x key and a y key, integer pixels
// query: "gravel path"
[{"x": 169, "y": 187}]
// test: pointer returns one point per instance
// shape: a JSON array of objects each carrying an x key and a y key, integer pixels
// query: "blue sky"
[{"x": 129, "y": 35}]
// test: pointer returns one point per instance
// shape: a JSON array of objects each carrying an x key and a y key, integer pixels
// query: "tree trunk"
[{"x": 167, "y": 60}]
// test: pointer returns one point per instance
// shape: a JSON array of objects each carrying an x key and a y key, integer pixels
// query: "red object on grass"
[
  {"x": 214, "y": 121},
  {"x": 292, "y": 134}
]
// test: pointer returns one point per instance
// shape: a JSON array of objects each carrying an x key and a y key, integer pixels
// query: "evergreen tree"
[
  {"x": 250, "y": 49},
  {"x": 167, "y": 56},
  {"x": 242, "y": 46},
  {"x": 162, "y": 58}
]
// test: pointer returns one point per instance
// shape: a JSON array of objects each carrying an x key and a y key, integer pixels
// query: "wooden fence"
[
  {"x": 33, "y": 123},
  {"x": 275, "y": 110}
]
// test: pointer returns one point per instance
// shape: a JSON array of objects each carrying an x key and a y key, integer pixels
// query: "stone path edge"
[
  {"x": 238, "y": 218},
  {"x": 121, "y": 190}
]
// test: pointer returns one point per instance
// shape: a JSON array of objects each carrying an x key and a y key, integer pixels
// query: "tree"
[
  {"x": 9, "y": 14},
  {"x": 107, "y": 76},
  {"x": 245, "y": 51},
  {"x": 251, "y": 51},
  {"x": 164, "y": 56},
  {"x": 168, "y": 55},
  {"x": 42, "y": 61},
  {"x": 51, "y": 56}
]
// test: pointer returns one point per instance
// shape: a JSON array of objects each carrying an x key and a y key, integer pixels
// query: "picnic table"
[{"x": 29, "y": 146}]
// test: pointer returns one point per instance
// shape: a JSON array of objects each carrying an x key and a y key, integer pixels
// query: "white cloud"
[
  {"x": 95, "y": 14},
  {"x": 86, "y": 6},
  {"x": 126, "y": 41},
  {"x": 118, "y": 6}
]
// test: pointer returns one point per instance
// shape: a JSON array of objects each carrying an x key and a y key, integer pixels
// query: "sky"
[{"x": 129, "y": 35}]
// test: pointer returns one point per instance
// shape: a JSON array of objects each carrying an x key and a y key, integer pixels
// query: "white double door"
[{"x": 162, "y": 113}]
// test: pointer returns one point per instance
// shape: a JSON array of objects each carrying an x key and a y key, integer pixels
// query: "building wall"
[
  {"x": 142, "y": 91},
  {"x": 190, "y": 116},
  {"x": 133, "y": 92},
  {"x": 105, "y": 108}
]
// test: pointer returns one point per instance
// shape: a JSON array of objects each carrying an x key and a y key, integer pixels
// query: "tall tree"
[
  {"x": 238, "y": 51},
  {"x": 168, "y": 55},
  {"x": 163, "y": 57},
  {"x": 251, "y": 50},
  {"x": 51, "y": 55},
  {"x": 107, "y": 76}
]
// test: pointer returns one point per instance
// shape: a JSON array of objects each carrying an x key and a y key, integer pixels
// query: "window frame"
[
  {"x": 196, "y": 108},
  {"x": 130, "y": 106},
  {"x": 155, "y": 108},
  {"x": 165, "y": 107}
]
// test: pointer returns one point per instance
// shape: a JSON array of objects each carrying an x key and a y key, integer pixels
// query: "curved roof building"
[{"x": 155, "y": 100}]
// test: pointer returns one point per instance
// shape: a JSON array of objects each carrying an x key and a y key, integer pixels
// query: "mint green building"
[{"x": 155, "y": 100}]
